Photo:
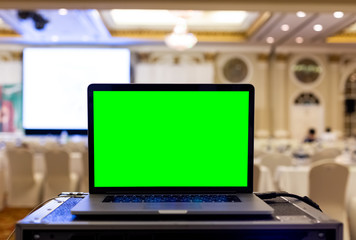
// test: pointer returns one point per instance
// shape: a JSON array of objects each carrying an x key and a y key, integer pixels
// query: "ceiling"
[{"x": 131, "y": 27}]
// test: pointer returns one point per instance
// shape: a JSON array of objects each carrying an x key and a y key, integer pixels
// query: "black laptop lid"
[{"x": 153, "y": 138}]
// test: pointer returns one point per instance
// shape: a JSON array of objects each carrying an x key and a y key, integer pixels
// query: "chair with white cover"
[
  {"x": 256, "y": 177},
  {"x": 327, "y": 187},
  {"x": 352, "y": 218},
  {"x": 273, "y": 160},
  {"x": 24, "y": 186},
  {"x": 59, "y": 177},
  {"x": 258, "y": 153},
  {"x": 2, "y": 187},
  {"x": 75, "y": 146},
  {"x": 325, "y": 153},
  {"x": 84, "y": 182}
]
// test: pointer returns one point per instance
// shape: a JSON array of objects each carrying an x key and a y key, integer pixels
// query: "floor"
[{"x": 8, "y": 219}]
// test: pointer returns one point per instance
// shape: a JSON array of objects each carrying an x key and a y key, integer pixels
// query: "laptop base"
[
  {"x": 249, "y": 205},
  {"x": 292, "y": 219}
]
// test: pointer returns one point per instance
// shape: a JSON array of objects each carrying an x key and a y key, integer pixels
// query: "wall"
[
  {"x": 276, "y": 84},
  {"x": 270, "y": 73}
]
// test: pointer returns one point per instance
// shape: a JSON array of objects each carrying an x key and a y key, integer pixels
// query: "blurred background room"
[{"x": 299, "y": 55}]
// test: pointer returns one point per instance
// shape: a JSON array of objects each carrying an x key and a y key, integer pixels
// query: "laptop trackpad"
[{"x": 172, "y": 206}]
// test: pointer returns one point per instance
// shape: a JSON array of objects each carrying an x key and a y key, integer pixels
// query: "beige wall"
[{"x": 276, "y": 86}]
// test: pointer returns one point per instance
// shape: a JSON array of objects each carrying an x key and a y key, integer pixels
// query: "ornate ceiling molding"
[
  {"x": 260, "y": 21},
  {"x": 334, "y": 58},
  {"x": 203, "y": 36},
  {"x": 342, "y": 38},
  {"x": 8, "y": 56},
  {"x": 8, "y": 33}
]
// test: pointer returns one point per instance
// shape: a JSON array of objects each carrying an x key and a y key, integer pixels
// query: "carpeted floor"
[{"x": 8, "y": 219}]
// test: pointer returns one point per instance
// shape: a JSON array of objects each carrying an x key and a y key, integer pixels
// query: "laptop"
[{"x": 171, "y": 149}]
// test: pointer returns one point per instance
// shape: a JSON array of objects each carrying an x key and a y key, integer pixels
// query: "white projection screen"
[{"x": 55, "y": 84}]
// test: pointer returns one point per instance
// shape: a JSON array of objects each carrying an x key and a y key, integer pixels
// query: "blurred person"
[{"x": 311, "y": 136}]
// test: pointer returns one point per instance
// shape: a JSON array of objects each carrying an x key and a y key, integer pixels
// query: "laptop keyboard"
[{"x": 172, "y": 198}]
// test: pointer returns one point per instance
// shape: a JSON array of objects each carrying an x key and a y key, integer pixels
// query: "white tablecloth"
[
  {"x": 295, "y": 179},
  {"x": 265, "y": 183}
]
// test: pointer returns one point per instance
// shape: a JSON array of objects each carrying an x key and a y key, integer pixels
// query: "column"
[
  {"x": 279, "y": 99},
  {"x": 262, "y": 116},
  {"x": 336, "y": 100}
]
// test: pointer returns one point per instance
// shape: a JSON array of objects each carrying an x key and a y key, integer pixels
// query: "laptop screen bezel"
[{"x": 170, "y": 87}]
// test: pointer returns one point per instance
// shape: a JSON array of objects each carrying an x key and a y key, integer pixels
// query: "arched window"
[
  {"x": 350, "y": 102},
  {"x": 307, "y": 98},
  {"x": 307, "y": 112}
]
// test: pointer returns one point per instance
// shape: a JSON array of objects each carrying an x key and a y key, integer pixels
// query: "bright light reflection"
[
  {"x": 270, "y": 40},
  {"x": 180, "y": 39},
  {"x": 166, "y": 17},
  {"x": 318, "y": 27},
  {"x": 301, "y": 14},
  {"x": 299, "y": 40},
  {"x": 229, "y": 16},
  {"x": 62, "y": 11},
  {"x": 181, "y": 42},
  {"x": 142, "y": 16},
  {"x": 285, "y": 27},
  {"x": 338, "y": 14}
]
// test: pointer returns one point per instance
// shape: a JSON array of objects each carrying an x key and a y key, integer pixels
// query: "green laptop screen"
[{"x": 170, "y": 138}]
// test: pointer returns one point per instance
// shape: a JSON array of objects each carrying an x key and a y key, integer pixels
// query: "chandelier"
[{"x": 180, "y": 39}]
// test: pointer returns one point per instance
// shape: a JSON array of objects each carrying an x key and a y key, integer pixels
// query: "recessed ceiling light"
[
  {"x": 338, "y": 14},
  {"x": 301, "y": 14},
  {"x": 285, "y": 27},
  {"x": 299, "y": 40},
  {"x": 270, "y": 40},
  {"x": 318, "y": 27},
  {"x": 62, "y": 11}
]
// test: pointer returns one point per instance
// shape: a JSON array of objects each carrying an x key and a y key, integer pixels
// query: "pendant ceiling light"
[{"x": 180, "y": 39}]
